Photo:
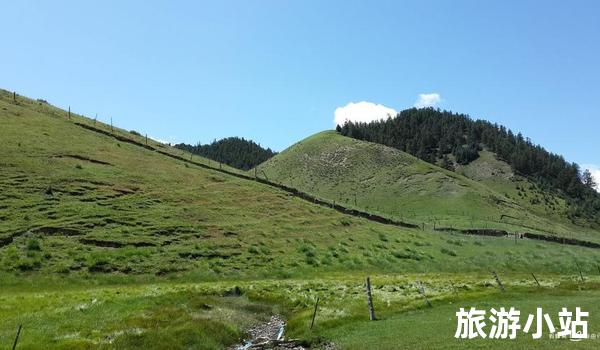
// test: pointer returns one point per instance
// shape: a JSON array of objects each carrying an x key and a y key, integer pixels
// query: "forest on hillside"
[
  {"x": 432, "y": 135},
  {"x": 233, "y": 151}
]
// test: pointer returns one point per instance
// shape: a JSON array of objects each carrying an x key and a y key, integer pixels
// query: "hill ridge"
[
  {"x": 354, "y": 212},
  {"x": 321, "y": 160}
]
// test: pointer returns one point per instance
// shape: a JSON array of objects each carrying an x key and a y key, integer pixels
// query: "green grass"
[
  {"x": 168, "y": 316},
  {"x": 386, "y": 181},
  {"x": 197, "y": 315},
  {"x": 434, "y": 328},
  {"x": 157, "y": 241}
]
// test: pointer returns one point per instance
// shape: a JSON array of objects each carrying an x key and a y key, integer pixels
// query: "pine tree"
[{"x": 588, "y": 179}]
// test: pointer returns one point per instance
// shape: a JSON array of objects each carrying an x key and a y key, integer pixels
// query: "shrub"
[
  {"x": 346, "y": 222},
  {"x": 100, "y": 264},
  {"x": 448, "y": 251},
  {"x": 29, "y": 264},
  {"x": 308, "y": 250},
  {"x": 33, "y": 244},
  {"x": 408, "y": 254}
]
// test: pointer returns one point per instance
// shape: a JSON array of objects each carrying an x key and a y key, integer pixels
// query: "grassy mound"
[{"x": 389, "y": 182}]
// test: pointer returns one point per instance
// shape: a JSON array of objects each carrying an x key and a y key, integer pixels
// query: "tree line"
[
  {"x": 233, "y": 151},
  {"x": 432, "y": 135}
]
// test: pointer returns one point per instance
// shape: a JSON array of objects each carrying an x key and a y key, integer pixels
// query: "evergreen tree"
[
  {"x": 233, "y": 151},
  {"x": 588, "y": 179},
  {"x": 431, "y": 135}
]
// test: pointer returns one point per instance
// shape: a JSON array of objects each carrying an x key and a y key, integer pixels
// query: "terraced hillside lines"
[
  {"x": 134, "y": 211},
  {"x": 143, "y": 213},
  {"x": 386, "y": 181},
  {"x": 485, "y": 173}
]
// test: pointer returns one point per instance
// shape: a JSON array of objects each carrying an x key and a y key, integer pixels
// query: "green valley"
[{"x": 112, "y": 240}]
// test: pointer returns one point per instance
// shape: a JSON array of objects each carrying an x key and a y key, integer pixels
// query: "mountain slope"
[
  {"x": 109, "y": 240},
  {"x": 390, "y": 182},
  {"x": 78, "y": 201},
  {"x": 435, "y": 136}
]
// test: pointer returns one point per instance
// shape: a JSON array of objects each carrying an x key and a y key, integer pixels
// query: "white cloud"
[
  {"x": 362, "y": 112},
  {"x": 595, "y": 170},
  {"x": 160, "y": 140},
  {"x": 428, "y": 100}
]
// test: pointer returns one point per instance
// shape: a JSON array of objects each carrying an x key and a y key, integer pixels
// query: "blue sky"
[{"x": 275, "y": 71}]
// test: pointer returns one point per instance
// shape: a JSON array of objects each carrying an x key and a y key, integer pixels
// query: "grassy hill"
[
  {"x": 392, "y": 183},
  {"x": 109, "y": 240}
]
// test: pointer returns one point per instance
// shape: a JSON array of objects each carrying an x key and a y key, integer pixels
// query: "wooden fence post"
[
  {"x": 14, "y": 96},
  {"x": 111, "y": 126},
  {"x": 312, "y": 323},
  {"x": 536, "y": 280},
  {"x": 498, "y": 281},
  {"x": 422, "y": 292},
  {"x": 580, "y": 274},
  {"x": 17, "y": 337},
  {"x": 69, "y": 112},
  {"x": 370, "y": 300}
]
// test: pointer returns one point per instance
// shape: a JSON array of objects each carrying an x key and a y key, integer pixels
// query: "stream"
[{"x": 268, "y": 335}]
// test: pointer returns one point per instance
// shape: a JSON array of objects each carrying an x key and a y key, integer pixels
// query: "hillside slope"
[
  {"x": 390, "y": 182},
  {"x": 435, "y": 136},
  {"x": 76, "y": 202},
  {"x": 109, "y": 240}
]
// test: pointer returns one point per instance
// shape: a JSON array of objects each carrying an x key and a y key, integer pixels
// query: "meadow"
[{"x": 108, "y": 244}]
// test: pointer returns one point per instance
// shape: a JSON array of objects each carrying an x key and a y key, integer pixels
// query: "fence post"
[
  {"x": 422, "y": 292},
  {"x": 536, "y": 280},
  {"x": 312, "y": 323},
  {"x": 498, "y": 281},
  {"x": 370, "y": 300},
  {"x": 17, "y": 337},
  {"x": 580, "y": 274},
  {"x": 69, "y": 112},
  {"x": 14, "y": 96}
]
